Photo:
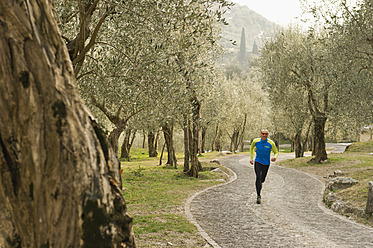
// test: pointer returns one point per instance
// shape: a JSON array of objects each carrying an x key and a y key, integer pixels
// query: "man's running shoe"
[{"x": 258, "y": 200}]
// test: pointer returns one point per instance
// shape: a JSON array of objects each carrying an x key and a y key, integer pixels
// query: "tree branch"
[{"x": 92, "y": 40}]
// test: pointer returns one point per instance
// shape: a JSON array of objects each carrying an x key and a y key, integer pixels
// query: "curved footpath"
[{"x": 291, "y": 214}]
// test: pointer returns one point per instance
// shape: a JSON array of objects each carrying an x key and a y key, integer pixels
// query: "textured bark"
[{"x": 60, "y": 181}]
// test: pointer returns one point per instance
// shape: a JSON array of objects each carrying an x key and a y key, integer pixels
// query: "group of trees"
[
  {"x": 152, "y": 70},
  {"x": 140, "y": 67},
  {"x": 149, "y": 67},
  {"x": 322, "y": 74}
]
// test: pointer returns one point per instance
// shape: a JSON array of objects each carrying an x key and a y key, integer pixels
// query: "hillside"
[{"x": 256, "y": 28}]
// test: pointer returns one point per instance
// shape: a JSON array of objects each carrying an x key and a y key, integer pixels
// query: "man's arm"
[
  {"x": 274, "y": 149},
  {"x": 252, "y": 147}
]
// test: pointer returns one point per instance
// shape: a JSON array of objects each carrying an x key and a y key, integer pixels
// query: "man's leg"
[
  {"x": 265, "y": 169},
  {"x": 261, "y": 173},
  {"x": 258, "y": 172}
]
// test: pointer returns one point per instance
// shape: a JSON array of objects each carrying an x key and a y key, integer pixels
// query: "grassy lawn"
[
  {"x": 356, "y": 162},
  {"x": 156, "y": 195}
]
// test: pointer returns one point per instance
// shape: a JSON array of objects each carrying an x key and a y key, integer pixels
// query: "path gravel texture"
[{"x": 291, "y": 214}]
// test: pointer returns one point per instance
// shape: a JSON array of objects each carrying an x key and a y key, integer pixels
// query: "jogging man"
[{"x": 263, "y": 147}]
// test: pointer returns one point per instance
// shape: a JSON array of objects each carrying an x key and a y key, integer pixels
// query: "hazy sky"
[{"x": 281, "y": 12}]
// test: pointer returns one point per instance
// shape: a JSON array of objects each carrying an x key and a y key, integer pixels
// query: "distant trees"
[
  {"x": 242, "y": 56},
  {"x": 255, "y": 49}
]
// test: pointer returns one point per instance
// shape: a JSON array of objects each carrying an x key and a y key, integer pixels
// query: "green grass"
[
  {"x": 361, "y": 147},
  {"x": 285, "y": 150},
  {"x": 154, "y": 223},
  {"x": 155, "y": 197}
]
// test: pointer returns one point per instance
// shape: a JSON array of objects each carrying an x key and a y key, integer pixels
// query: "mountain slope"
[{"x": 256, "y": 28}]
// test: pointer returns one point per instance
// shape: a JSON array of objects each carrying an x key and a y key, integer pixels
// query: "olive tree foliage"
[
  {"x": 289, "y": 102},
  {"x": 350, "y": 27},
  {"x": 235, "y": 110},
  {"x": 305, "y": 61},
  {"x": 146, "y": 54}
]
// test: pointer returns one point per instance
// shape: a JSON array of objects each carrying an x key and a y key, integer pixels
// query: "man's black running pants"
[{"x": 261, "y": 173}]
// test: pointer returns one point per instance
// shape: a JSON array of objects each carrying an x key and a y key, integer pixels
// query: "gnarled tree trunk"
[
  {"x": 60, "y": 182},
  {"x": 319, "y": 141}
]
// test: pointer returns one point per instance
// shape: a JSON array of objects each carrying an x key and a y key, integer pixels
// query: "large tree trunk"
[
  {"x": 60, "y": 181},
  {"x": 319, "y": 141}
]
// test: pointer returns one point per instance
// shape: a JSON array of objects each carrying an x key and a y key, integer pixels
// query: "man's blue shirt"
[{"x": 263, "y": 150}]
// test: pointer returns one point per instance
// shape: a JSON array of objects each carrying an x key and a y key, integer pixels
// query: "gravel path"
[{"x": 291, "y": 213}]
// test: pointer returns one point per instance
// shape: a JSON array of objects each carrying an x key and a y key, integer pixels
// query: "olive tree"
[
  {"x": 349, "y": 28},
  {"x": 60, "y": 180},
  {"x": 304, "y": 60},
  {"x": 289, "y": 102}
]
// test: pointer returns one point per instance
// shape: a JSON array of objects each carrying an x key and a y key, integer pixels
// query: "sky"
[{"x": 281, "y": 12}]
